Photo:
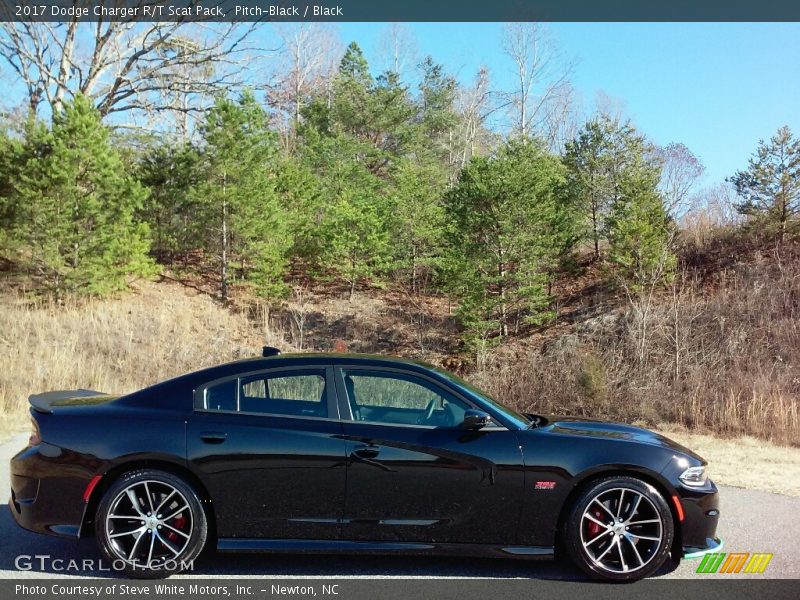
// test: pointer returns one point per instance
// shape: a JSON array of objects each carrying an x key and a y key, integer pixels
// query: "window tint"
[
  {"x": 397, "y": 398},
  {"x": 222, "y": 396},
  {"x": 299, "y": 393}
]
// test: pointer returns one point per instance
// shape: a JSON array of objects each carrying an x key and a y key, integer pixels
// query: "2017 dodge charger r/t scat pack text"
[{"x": 352, "y": 453}]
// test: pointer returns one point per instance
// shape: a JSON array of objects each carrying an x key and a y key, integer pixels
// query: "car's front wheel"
[
  {"x": 150, "y": 524},
  {"x": 619, "y": 528}
]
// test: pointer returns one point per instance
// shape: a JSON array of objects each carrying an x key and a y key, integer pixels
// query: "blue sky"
[{"x": 718, "y": 88}]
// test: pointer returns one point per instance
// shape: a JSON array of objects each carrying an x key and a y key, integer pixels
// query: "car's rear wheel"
[
  {"x": 619, "y": 528},
  {"x": 150, "y": 524}
]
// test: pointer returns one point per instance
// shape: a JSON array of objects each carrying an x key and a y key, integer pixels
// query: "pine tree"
[
  {"x": 507, "y": 234},
  {"x": 169, "y": 172},
  {"x": 350, "y": 108},
  {"x": 589, "y": 159},
  {"x": 76, "y": 225},
  {"x": 437, "y": 114},
  {"x": 639, "y": 231},
  {"x": 10, "y": 158},
  {"x": 770, "y": 187},
  {"x": 417, "y": 221},
  {"x": 241, "y": 207},
  {"x": 350, "y": 230}
]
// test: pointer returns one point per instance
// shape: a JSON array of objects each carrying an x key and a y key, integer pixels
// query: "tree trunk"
[
  {"x": 595, "y": 233},
  {"x": 501, "y": 271},
  {"x": 413, "y": 270},
  {"x": 352, "y": 277},
  {"x": 224, "y": 261}
]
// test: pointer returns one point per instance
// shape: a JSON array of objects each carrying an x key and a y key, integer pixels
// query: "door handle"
[
  {"x": 370, "y": 451},
  {"x": 213, "y": 437}
]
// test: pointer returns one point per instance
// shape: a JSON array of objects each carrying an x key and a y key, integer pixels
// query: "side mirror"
[{"x": 475, "y": 419}]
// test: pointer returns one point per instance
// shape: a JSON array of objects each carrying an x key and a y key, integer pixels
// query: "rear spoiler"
[{"x": 43, "y": 403}]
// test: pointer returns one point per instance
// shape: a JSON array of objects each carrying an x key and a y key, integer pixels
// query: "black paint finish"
[{"x": 308, "y": 483}]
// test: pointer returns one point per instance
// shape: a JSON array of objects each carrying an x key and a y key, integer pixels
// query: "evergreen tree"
[
  {"x": 240, "y": 205},
  {"x": 437, "y": 94},
  {"x": 350, "y": 107},
  {"x": 352, "y": 142},
  {"x": 303, "y": 201},
  {"x": 76, "y": 205},
  {"x": 10, "y": 157},
  {"x": 639, "y": 231},
  {"x": 638, "y": 227},
  {"x": 507, "y": 234},
  {"x": 770, "y": 187},
  {"x": 590, "y": 159},
  {"x": 417, "y": 221},
  {"x": 170, "y": 172},
  {"x": 350, "y": 230}
]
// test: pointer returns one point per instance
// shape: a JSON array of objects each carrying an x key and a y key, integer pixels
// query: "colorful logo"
[{"x": 734, "y": 562}]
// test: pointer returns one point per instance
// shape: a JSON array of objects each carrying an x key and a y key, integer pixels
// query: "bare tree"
[
  {"x": 474, "y": 104},
  {"x": 680, "y": 171},
  {"x": 299, "y": 307},
  {"x": 610, "y": 107},
  {"x": 397, "y": 49},
  {"x": 708, "y": 210},
  {"x": 564, "y": 121},
  {"x": 541, "y": 79},
  {"x": 125, "y": 67},
  {"x": 308, "y": 60},
  {"x": 640, "y": 287}
]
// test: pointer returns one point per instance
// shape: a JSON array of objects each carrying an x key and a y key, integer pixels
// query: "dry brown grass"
[
  {"x": 116, "y": 346},
  {"x": 722, "y": 352},
  {"x": 745, "y": 461},
  {"x": 722, "y": 355},
  {"x": 164, "y": 329}
]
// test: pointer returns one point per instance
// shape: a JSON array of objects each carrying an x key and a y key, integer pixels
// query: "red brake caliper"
[
  {"x": 178, "y": 523},
  {"x": 594, "y": 528}
]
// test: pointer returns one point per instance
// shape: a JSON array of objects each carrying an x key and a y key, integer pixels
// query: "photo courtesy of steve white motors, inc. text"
[{"x": 165, "y": 590}]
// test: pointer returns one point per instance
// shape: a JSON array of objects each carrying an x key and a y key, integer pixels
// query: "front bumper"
[
  {"x": 712, "y": 545},
  {"x": 701, "y": 516}
]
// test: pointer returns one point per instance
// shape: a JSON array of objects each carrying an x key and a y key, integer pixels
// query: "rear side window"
[
  {"x": 295, "y": 393},
  {"x": 222, "y": 396}
]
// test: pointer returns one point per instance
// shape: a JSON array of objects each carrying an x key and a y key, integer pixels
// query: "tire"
[
  {"x": 619, "y": 529},
  {"x": 150, "y": 524}
]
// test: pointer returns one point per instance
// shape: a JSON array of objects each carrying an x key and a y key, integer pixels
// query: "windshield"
[{"x": 518, "y": 418}]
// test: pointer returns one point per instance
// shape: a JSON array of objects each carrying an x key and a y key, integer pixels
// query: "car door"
[
  {"x": 268, "y": 447},
  {"x": 413, "y": 474}
]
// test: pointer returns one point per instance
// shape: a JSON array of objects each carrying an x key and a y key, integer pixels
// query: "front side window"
[
  {"x": 297, "y": 394},
  {"x": 401, "y": 399}
]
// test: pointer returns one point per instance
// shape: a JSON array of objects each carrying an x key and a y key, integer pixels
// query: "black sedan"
[{"x": 351, "y": 453}]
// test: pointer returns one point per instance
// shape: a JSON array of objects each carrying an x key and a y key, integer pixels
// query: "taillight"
[{"x": 36, "y": 437}]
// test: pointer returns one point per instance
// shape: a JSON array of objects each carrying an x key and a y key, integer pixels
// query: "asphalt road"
[{"x": 751, "y": 521}]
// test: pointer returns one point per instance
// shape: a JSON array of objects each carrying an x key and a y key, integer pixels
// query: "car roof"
[
  {"x": 311, "y": 358},
  {"x": 165, "y": 393}
]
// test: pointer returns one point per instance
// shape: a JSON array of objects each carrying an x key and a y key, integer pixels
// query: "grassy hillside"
[
  {"x": 721, "y": 354},
  {"x": 115, "y": 346}
]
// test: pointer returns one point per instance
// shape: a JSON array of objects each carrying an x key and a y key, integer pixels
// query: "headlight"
[{"x": 694, "y": 476}]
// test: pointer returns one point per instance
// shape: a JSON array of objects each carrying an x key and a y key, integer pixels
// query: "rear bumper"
[{"x": 41, "y": 500}]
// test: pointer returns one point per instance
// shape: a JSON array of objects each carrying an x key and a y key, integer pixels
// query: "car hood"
[{"x": 612, "y": 431}]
